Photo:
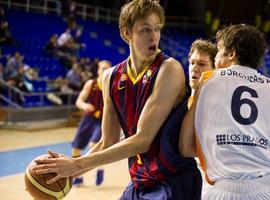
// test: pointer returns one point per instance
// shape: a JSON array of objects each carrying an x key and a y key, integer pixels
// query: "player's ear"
[
  {"x": 233, "y": 58},
  {"x": 126, "y": 33},
  {"x": 232, "y": 55}
]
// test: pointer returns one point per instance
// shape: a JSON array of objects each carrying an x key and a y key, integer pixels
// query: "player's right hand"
[{"x": 62, "y": 165}]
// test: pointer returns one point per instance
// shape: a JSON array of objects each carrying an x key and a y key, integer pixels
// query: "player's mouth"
[
  {"x": 152, "y": 48},
  {"x": 194, "y": 77}
]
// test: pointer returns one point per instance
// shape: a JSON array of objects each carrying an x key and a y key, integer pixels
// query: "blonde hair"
[
  {"x": 204, "y": 47},
  {"x": 138, "y": 9}
]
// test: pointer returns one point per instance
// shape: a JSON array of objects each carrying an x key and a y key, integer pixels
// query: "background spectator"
[
  {"x": 5, "y": 34},
  {"x": 74, "y": 77},
  {"x": 13, "y": 64}
]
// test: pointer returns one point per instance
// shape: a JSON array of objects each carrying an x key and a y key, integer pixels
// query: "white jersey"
[{"x": 232, "y": 122}]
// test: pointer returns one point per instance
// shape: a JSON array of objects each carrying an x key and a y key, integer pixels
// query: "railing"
[
  {"x": 16, "y": 113},
  {"x": 92, "y": 12},
  {"x": 32, "y": 5},
  {"x": 13, "y": 91},
  {"x": 9, "y": 102},
  {"x": 96, "y": 13},
  {"x": 55, "y": 6}
]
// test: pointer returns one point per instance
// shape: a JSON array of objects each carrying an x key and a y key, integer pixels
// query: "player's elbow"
[
  {"x": 144, "y": 145},
  {"x": 187, "y": 144},
  {"x": 187, "y": 150},
  {"x": 78, "y": 103},
  {"x": 144, "y": 148},
  {"x": 106, "y": 143}
]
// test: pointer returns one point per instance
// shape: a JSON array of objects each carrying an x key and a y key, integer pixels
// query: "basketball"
[{"x": 38, "y": 188}]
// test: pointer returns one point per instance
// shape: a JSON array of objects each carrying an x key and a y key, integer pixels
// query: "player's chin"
[
  {"x": 193, "y": 83},
  {"x": 151, "y": 54}
]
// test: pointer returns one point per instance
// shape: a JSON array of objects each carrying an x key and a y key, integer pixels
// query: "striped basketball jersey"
[
  {"x": 129, "y": 97},
  {"x": 232, "y": 122},
  {"x": 96, "y": 99}
]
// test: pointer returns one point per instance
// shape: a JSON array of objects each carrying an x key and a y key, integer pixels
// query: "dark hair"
[
  {"x": 248, "y": 43},
  {"x": 204, "y": 47}
]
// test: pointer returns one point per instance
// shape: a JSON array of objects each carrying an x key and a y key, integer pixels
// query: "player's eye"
[
  {"x": 146, "y": 29},
  {"x": 157, "y": 29}
]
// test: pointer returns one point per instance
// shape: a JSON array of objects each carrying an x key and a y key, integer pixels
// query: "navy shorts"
[
  {"x": 182, "y": 186},
  {"x": 89, "y": 130}
]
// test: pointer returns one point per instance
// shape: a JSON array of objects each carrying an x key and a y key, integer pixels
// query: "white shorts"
[
  {"x": 227, "y": 189},
  {"x": 205, "y": 185}
]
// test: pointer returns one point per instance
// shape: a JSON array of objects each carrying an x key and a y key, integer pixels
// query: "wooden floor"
[{"x": 12, "y": 187}]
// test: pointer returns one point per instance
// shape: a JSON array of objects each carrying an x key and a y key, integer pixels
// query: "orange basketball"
[{"x": 38, "y": 188}]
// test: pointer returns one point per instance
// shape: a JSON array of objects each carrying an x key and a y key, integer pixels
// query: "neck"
[
  {"x": 137, "y": 63},
  {"x": 99, "y": 83},
  {"x": 137, "y": 66},
  {"x": 192, "y": 92}
]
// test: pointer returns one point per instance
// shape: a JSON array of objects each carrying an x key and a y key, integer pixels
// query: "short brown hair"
[
  {"x": 247, "y": 41},
  {"x": 204, "y": 47},
  {"x": 137, "y": 9}
]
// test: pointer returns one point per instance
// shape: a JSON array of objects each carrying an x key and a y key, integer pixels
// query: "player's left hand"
[{"x": 62, "y": 165}]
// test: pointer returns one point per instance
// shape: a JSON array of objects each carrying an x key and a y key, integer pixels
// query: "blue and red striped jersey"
[
  {"x": 96, "y": 99},
  {"x": 162, "y": 159}
]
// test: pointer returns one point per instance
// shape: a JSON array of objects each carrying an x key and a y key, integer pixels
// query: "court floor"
[{"x": 18, "y": 148}]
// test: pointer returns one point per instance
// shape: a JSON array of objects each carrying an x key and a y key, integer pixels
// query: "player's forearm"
[
  {"x": 121, "y": 150},
  {"x": 188, "y": 149},
  {"x": 187, "y": 138},
  {"x": 80, "y": 104},
  {"x": 186, "y": 144},
  {"x": 87, "y": 107},
  {"x": 97, "y": 147}
]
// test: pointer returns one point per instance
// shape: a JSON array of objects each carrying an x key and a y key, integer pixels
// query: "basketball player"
[
  {"x": 146, "y": 95},
  {"x": 91, "y": 102},
  {"x": 232, "y": 120},
  {"x": 201, "y": 58}
]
